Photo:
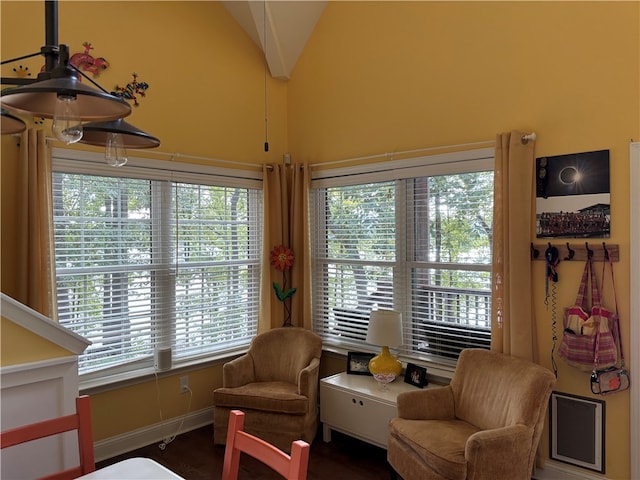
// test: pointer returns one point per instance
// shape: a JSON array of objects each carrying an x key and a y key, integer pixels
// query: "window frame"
[
  {"x": 91, "y": 163},
  {"x": 467, "y": 161}
]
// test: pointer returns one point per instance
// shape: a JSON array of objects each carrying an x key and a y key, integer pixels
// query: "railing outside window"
[{"x": 417, "y": 244}]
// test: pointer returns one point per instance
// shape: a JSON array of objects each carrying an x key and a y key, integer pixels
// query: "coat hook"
[
  {"x": 534, "y": 252},
  {"x": 606, "y": 252},
  {"x": 571, "y": 252},
  {"x": 589, "y": 251}
]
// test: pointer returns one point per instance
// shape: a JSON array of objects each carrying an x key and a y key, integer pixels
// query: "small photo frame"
[
  {"x": 415, "y": 375},
  {"x": 358, "y": 363}
]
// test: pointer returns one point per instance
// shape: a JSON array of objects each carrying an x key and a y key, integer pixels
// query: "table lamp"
[{"x": 385, "y": 330}]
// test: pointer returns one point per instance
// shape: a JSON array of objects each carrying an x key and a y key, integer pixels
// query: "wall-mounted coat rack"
[{"x": 578, "y": 251}]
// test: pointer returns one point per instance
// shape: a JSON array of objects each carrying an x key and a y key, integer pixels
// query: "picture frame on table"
[
  {"x": 415, "y": 375},
  {"x": 358, "y": 363}
]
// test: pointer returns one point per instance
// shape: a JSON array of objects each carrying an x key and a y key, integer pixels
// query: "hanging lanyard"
[{"x": 552, "y": 258}]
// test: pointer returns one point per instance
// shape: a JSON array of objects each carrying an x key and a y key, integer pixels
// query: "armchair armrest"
[
  {"x": 431, "y": 404},
  {"x": 238, "y": 372},
  {"x": 308, "y": 378},
  {"x": 504, "y": 451}
]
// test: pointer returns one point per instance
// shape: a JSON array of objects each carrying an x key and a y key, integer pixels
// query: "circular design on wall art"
[{"x": 569, "y": 175}]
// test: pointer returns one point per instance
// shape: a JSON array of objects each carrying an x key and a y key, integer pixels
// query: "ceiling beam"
[{"x": 280, "y": 28}]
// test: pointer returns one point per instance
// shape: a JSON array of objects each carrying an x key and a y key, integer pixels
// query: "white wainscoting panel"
[{"x": 33, "y": 392}]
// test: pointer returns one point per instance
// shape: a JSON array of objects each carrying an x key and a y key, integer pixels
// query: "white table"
[
  {"x": 356, "y": 405},
  {"x": 133, "y": 469}
]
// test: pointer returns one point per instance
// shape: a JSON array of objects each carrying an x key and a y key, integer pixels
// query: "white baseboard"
[
  {"x": 114, "y": 446},
  {"x": 559, "y": 471}
]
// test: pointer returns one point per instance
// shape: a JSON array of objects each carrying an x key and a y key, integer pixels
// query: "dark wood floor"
[{"x": 193, "y": 456}]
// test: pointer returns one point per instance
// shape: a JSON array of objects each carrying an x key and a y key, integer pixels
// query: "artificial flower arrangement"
[{"x": 282, "y": 259}]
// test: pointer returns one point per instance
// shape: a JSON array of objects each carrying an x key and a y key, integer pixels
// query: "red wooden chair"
[
  {"x": 291, "y": 467},
  {"x": 80, "y": 421}
]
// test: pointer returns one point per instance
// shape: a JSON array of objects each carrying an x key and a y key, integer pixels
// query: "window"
[
  {"x": 151, "y": 263},
  {"x": 413, "y": 236}
]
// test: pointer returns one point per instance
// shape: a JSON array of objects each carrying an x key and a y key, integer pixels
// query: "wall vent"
[{"x": 577, "y": 430}]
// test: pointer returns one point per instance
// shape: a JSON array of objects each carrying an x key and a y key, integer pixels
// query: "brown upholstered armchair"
[
  {"x": 484, "y": 425},
  {"x": 276, "y": 384}
]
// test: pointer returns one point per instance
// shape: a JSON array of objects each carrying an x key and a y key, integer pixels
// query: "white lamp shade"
[{"x": 385, "y": 328}]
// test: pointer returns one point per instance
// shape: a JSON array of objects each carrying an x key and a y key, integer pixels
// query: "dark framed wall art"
[{"x": 573, "y": 196}]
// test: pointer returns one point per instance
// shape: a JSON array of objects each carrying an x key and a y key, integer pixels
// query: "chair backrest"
[
  {"x": 279, "y": 354},
  {"x": 493, "y": 390},
  {"x": 79, "y": 421},
  {"x": 291, "y": 467}
]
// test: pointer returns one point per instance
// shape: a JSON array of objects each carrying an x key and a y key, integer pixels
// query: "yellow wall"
[
  {"x": 380, "y": 77},
  {"x": 374, "y": 77},
  {"x": 14, "y": 339},
  {"x": 143, "y": 404}
]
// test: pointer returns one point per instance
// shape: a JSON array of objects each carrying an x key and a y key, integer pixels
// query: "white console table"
[{"x": 357, "y": 406}]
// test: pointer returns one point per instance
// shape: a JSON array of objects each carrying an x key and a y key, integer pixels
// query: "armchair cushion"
[
  {"x": 439, "y": 443},
  {"x": 279, "y": 397}
]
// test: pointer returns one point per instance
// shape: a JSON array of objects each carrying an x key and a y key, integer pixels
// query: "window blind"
[
  {"x": 450, "y": 255},
  {"x": 418, "y": 244},
  {"x": 144, "y": 264},
  {"x": 356, "y": 257}
]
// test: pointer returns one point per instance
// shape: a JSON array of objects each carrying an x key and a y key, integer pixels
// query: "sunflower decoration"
[{"x": 282, "y": 259}]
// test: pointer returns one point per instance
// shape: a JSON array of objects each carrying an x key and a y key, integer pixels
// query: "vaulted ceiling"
[{"x": 280, "y": 28}]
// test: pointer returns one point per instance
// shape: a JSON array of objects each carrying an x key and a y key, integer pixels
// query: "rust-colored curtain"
[
  {"x": 36, "y": 262},
  {"x": 513, "y": 322},
  {"x": 286, "y": 222}
]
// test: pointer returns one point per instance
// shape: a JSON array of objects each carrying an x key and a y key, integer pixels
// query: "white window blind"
[
  {"x": 355, "y": 257},
  {"x": 449, "y": 263},
  {"x": 418, "y": 242},
  {"x": 144, "y": 264}
]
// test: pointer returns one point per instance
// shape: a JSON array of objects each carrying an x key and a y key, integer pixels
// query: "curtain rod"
[
  {"x": 524, "y": 139},
  {"x": 176, "y": 155},
  {"x": 208, "y": 159},
  {"x": 405, "y": 152}
]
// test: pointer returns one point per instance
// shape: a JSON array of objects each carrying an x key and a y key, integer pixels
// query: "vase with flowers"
[{"x": 282, "y": 259}]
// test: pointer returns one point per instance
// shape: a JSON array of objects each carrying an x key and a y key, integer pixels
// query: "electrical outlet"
[{"x": 184, "y": 384}]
